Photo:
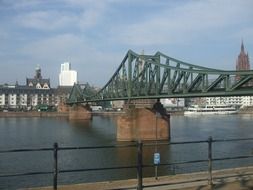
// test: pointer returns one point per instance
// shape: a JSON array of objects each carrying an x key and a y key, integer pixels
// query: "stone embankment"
[
  {"x": 65, "y": 114},
  {"x": 108, "y": 113},
  {"x": 52, "y": 114},
  {"x": 33, "y": 114}
]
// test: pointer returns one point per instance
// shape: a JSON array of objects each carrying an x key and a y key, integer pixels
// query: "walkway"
[{"x": 229, "y": 179}]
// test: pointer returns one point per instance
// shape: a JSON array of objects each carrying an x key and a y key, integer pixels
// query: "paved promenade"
[{"x": 229, "y": 179}]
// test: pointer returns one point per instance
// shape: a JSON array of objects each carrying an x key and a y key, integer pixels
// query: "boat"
[{"x": 210, "y": 110}]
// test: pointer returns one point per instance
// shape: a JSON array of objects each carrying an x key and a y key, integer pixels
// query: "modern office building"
[{"x": 67, "y": 77}]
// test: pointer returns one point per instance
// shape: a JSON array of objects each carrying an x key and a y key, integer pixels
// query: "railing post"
[
  {"x": 55, "y": 164},
  {"x": 139, "y": 165},
  {"x": 210, "y": 178}
]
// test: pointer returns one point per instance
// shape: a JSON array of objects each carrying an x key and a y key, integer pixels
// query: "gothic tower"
[{"x": 242, "y": 62}]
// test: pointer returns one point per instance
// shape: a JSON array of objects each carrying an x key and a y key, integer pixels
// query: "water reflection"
[{"x": 80, "y": 123}]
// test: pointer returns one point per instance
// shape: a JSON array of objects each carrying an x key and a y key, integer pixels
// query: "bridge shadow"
[
  {"x": 246, "y": 181},
  {"x": 240, "y": 182},
  {"x": 100, "y": 130}
]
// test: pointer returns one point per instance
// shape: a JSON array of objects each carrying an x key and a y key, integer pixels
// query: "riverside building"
[{"x": 37, "y": 91}]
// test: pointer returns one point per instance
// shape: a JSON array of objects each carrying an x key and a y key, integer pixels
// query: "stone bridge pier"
[
  {"x": 76, "y": 111},
  {"x": 80, "y": 112},
  {"x": 144, "y": 124},
  {"x": 135, "y": 124}
]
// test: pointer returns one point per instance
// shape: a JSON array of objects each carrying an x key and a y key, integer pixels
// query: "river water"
[{"x": 18, "y": 133}]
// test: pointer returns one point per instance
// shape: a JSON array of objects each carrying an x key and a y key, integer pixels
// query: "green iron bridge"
[{"x": 160, "y": 76}]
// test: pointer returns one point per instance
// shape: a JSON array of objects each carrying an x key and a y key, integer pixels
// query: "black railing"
[{"x": 139, "y": 163}]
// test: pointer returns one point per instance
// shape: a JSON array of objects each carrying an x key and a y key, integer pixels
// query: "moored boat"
[{"x": 210, "y": 110}]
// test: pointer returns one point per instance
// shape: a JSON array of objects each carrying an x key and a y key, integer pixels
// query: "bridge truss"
[{"x": 160, "y": 76}]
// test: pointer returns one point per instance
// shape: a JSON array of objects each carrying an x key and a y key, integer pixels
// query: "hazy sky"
[{"x": 94, "y": 35}]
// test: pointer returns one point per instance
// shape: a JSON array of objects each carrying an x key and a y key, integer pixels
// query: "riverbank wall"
[
  {"x": 52, "y": 114},
  {"x": 108, "y": 113},
  {"x": 33, "y": 114},
  {"x": 65, "y": 114}
]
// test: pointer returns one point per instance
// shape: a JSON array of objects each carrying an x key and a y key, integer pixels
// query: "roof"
[
  {"x": 35, "y": 81},
  {"x": 25, "y": 90}
]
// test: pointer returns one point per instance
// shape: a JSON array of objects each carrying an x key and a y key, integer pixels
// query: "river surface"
[{"x": 18, "y": 133}]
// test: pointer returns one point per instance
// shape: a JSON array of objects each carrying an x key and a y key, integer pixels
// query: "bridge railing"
[{"x": 139, "y": 166}]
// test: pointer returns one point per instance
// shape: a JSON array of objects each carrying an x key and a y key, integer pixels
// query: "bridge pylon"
[
  {"x": 80, "y": 112},
  {"x": 143, "y": 124}
]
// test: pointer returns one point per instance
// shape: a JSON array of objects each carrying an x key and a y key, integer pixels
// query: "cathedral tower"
[{"x": 242, "y": 62}]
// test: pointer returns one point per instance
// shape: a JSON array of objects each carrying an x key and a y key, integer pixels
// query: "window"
[
  {"x": 45, "y": 86},
  {"x": 38, "y": 86}
]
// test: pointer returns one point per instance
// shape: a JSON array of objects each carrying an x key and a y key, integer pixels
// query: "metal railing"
[{"x": 139, "y": 163}]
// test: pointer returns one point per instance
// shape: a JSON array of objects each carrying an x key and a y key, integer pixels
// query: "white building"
[
  {"x": 230, "y": 100},
  {"x": 67, "y": 77},
  {"x": 2, "y": 100},
  {"x": 173, "y": 102}
]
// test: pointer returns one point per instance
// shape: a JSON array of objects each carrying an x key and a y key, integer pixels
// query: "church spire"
[
  {"x": 242, "y": 62},
  {"x": 242, "y": 47}
]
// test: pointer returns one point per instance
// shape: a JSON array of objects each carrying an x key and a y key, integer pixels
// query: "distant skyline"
[{"x": 95, "y": 35}]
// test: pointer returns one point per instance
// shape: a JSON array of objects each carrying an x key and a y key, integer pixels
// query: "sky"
[{"x": 95, "y": 35}]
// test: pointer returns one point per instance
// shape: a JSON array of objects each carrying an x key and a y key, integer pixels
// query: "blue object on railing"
[{"x": 156, "y": 158}]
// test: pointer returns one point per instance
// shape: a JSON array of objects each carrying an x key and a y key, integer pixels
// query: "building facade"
[
  {"x": 230, "y": 100},
  {"x": 67, "y": 77},
  {"x": 38, "y": 82},
  {"x": 36, "y": 92}
]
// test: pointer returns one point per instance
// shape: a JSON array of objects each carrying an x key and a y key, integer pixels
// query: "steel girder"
[{"x": 160, "y": 76}]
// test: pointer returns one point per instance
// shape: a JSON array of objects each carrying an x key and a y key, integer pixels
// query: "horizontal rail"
[
  {"x": 67, "y": 148},
  {"x": 123, "y": 146},
  {"x": 26, "y": 150},
  {"x": 98, "y": 169},
  {"x": 26, "y": 174},
  {"x": 176, "y": 163},
  {"x": 175, "y": 143},
  {"x": 232, "y": 158},
  {"x": 229, "y": 140},
  {"x": 97, "y": 147}
]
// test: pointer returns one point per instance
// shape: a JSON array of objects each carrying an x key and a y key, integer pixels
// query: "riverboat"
[{"x": 210, "y": 110}]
